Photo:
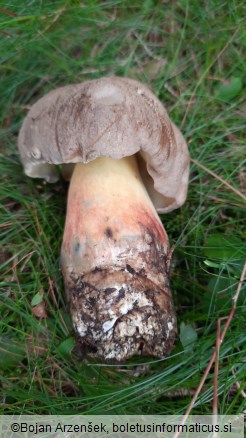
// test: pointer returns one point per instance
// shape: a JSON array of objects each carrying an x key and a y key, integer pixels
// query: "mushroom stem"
[{"x": 115, "y": 263}]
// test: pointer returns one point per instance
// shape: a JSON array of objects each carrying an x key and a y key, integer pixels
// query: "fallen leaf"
[
  {"x": 230, "y": 89},
  {"x": 188, "y": 336},
  {"x": 38, "y": 298},
  {"x": 65, "y": 347},
  {"x": 154, "y": 69},
  {"x": 39, "y": 311}
]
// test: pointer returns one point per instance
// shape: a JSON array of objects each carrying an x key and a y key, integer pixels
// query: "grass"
[{"x": 193, "y": 57}]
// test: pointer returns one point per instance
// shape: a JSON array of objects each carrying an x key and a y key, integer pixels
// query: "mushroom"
[{"x": 126, "y": 161}]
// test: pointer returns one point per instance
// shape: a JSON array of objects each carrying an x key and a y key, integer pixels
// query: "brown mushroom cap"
[{"x": 111, "y": 117}]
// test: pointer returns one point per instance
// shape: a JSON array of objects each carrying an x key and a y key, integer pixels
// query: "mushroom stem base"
[{"x": 122, "y": 315}]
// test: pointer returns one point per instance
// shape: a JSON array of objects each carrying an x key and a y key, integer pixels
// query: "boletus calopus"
[{"x": 126, "y": 161}]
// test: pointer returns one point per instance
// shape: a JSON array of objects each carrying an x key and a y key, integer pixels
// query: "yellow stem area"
[{"x": 108, "y": 202}]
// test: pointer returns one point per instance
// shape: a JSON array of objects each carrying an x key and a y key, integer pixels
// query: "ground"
[{"x": 192, "y": 55}]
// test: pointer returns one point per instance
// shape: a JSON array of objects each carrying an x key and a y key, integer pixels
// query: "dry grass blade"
[
  {"x": 233, "y": 189},
  {"x": 216, "y": 375},
  {"x": 6, "y": 11},
  {"x": 228, "y": 321}
]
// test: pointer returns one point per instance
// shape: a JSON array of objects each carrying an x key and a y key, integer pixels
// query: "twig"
[
  {"x": 147, "y": 50},
  {"x": 216, "y": 375},
  {"x": 6, "y": 11},
  {"x": 228, "y": 321},
  {"x": 233, "y": 189},
  {"x": 58, "y": 13},
  {"x": 171, "y": 91},
  {"x": 216, "y": 371},
  {"x": 5, "y": 33},
  {"x": 223, "y": 201},
  {"x": 52, "y": 292},
  {"x": 63, "y": 373}
]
